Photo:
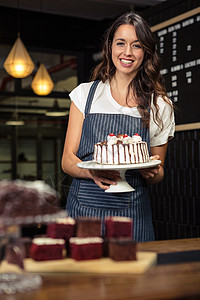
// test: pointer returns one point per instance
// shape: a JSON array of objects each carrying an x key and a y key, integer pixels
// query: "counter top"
[{"x": 179, "y": 280}]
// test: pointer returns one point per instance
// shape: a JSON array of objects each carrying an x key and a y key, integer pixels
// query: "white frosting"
[
  {"x": 66, "y": 220},
  {"x": 48, "y": 241},
  {"x": 112, "y": 140},
  {"x": 136, "y": 138},
  {"x": 120, "y": 219},
  {"x": 86, "y": 240},
  {"x": 126, "y": 140}
]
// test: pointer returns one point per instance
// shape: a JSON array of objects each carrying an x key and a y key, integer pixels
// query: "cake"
[
  {"x": 86, "y": 248},
  {"x": 122, "y": 249},
  {"x": 20, "y": 200},
  {"x": 63, "y": 228},
  {"x": 121, "y": 149},
  {"x": 45, "y": 248},
  {"x": 88, "y": 227},
  {"x": 118, "y": 227}
]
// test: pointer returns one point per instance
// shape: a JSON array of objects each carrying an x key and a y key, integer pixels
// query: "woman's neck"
[
  {"x": 119, "y": 87},
  {"x": 121, "y": 81}
]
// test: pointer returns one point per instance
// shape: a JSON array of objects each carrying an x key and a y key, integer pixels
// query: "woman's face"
[{"x": 127, "y": 52}]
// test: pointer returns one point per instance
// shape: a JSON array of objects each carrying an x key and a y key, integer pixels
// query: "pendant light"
[
  {"x": 42, "y": 83},
  {"x": 56, "y": 111},
  {"x": 15, "y": 121},
  {"x": 18, "y": 64}
]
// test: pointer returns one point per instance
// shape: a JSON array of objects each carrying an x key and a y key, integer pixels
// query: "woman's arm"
[
  {"x": 70, "y": 160},
  {"x": 155, "y": 175},
  {"x": 72, "y": 140}
]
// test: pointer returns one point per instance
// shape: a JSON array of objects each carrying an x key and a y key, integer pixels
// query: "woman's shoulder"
[
  {"x": 84, "y": 87},
  {"x": 163, "y": 103},
  {"x": 164, "y": 100}
]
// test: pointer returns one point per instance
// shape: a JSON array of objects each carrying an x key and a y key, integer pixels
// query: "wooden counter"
[{"x": 162, "y": 281}]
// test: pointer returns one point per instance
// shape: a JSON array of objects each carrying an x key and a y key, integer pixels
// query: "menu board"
[{"x": 179, "y": 48}]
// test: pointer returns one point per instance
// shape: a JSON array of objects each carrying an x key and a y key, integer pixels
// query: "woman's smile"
[{"x": 126, "y": 62}]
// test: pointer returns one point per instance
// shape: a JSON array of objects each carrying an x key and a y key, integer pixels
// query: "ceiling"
[
  {"x": 90, "y": 9},
  {"x": 34, "y": 107}
]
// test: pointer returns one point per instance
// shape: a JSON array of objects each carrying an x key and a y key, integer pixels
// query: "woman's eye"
[
  {"x": 120, "y": 44},
  {"x": 137, "y": 46}
]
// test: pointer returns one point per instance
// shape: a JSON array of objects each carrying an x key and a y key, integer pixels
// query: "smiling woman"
[
  {"x": 127, "y": 52},
  {"x": 126, "y": 95}
]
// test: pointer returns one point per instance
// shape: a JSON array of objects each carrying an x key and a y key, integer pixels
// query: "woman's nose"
[{"x": 127, "y": 50}]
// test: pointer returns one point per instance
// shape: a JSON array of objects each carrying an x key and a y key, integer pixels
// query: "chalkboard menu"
[{"x": 179, "y": 48}]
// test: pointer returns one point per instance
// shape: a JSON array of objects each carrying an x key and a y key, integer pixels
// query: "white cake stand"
[{"x": 121, "y": 186}]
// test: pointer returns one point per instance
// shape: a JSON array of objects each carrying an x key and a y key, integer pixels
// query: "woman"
[{"x": 126, "y": 95}]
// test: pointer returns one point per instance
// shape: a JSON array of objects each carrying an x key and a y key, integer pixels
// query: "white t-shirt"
[{"x": 103, "y": 102}]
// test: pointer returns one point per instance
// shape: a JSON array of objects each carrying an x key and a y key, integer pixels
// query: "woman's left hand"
[
  {"x": 155, "y": 175},
  {"x": 150, "y": 173}
]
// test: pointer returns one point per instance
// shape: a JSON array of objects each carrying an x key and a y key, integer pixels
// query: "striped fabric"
[{"x": 85, "y": 198}]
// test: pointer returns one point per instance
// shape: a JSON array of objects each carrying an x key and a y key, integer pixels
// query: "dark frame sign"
[{"x": 178, "y": 44}]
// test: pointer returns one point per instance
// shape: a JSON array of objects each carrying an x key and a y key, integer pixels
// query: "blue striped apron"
[{"x": 86, "y": 199}]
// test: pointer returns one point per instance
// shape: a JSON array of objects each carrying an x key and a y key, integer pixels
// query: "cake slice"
[
  {"x": 118, "y": 227},
  {"x": 88, "y": 227},
  {"x": 86, "y": 248},
  {"x": 122, "y": 249},
  {"x": 45, "y": 248},
  {"x": 62, "y": 228}
]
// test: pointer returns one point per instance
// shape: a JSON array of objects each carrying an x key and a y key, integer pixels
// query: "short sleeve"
[
  {"x": 160, "y": 136},
  {"x": 79, "y": 96}
]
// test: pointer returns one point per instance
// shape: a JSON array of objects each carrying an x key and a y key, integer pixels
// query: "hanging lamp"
[
  {"x": 14, "y": 121},
  {"x": 42, "y": 83},
  {"x": 19, "y": 64},
  {"x": 56, "y": 111}
]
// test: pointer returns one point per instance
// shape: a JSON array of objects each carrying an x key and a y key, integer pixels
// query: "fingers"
[
  {"x": 155, "y": 157},
  {"x": 104, "y": 178},
  {"x": 113, "y": 175},
  {"x": 102, "y": 184},
  {"x": 150, "y": 173}
]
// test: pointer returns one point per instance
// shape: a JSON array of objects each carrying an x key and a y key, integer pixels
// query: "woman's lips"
[{"x": 126, "y": 62}]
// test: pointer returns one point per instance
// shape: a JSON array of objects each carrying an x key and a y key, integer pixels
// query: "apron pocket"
[{"x": 91, "y": 196}]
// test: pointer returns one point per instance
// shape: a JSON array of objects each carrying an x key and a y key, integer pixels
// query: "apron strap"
[{"x": 90, "y": 96}]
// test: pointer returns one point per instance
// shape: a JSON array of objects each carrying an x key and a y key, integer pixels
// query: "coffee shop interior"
[
  {"x": 61, "y": 42},
  {"x": 64, "y": 38}
]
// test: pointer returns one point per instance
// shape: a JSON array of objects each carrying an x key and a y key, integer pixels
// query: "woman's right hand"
[{"x": 105, "y": 178}]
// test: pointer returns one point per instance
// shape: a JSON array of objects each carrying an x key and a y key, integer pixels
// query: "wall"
[{"x": 176, "y": 201}]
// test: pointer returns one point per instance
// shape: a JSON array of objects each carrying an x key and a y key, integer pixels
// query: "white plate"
[
  {"x": 94, "y": 166},
  {"x": 121, "y": 186}
]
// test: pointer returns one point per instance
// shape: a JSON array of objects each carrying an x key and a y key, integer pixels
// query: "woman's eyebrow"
[{"x": 121, "y": 39}]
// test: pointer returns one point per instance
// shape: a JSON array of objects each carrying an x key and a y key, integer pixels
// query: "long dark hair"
[{"x": 148, "y": 83}]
